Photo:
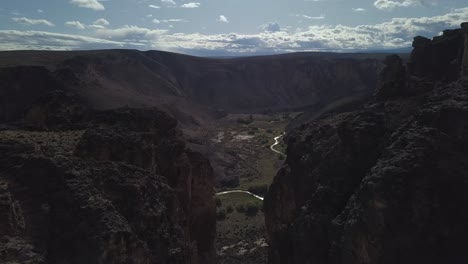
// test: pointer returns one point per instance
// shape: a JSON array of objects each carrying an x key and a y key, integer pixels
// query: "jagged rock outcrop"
[
  {"x": 122, "y": 190},
  {"x": 383, "y": 184},
  {"x": 464, "y": 72},
  {"x": 392, "y": 78},
  {"x": 439, "y": 59},
  {"x": 149, "y": 139}
]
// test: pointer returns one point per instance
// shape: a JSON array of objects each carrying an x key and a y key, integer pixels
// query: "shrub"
[
  {"x": 269, "y": 131},
  {"x": 251, "y": 132},
  {"x": 229, "y": 209},
  {"x": 280, "y": 157},
  {"x": 258, "y": 189},
  {"x": 244, "y": 121},
  {"x": 264, "y": 141},
  {"x": 218, "y": 202},
  {"x": 221, "y": 214},
  {"x": 240, "y": 208},
  {"x": 251, "y": 209}
]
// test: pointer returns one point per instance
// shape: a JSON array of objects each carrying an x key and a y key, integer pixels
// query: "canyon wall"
[
  {"x": 119, "y": 186},
  {"x": 193, "y": 89},
  {"x": 385, "y": 183}
]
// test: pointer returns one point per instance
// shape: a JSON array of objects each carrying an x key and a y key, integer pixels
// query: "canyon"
[{"x": 115, "y": 156}]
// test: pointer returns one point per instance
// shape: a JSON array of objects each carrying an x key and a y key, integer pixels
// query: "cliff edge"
[
  {"x": 386, "y": 183},
  {"x": 115, "y": 186}
]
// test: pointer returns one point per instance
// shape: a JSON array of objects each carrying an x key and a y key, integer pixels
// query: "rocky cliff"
[
  {"x": 386, "y": 183},
  {"x": 119, "y": 186}
]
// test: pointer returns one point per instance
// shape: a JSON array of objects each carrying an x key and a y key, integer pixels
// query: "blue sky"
[{"x": 224, "y": 27}]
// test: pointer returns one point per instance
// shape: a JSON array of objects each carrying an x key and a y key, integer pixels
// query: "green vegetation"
[
  {"x": 240, "y": 208},
  {"x": 251, "y": 209},
  {"x": 221, "y": 214},
  {"x": 244, "y": 121},
  {"x": 218, "y": 202},
  {"x": 280, "y": 157},
  {"x": 229, "y": 209}
]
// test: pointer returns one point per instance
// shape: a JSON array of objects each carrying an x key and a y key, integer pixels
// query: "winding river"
[{"x": 272, "y": 147}]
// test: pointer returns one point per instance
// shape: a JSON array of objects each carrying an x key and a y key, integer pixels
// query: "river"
[{"x": 272, "y": 147}]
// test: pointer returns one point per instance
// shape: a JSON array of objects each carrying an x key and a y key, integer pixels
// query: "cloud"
[
  {"x": 191, "y": 5},
  {"x": 271, "y": 27},
  {"x": 222, "y": 19},
  {"x": 312, "y": 17},
  {"x": 394, "y": 33},
  {"x": 33, "y": 22},
  {"x": 154, "y": 6},
  {"x": 101, "y": 22},
  {"x": 75, "y": 24},
  {"x": 157, "y": 21},
  {"x": 390, "y": 4},
  {"x": 131, "y": 34},
  {"x": 171, "y": 2},
  {"x": 359, "y": 9},
  {"x": 40, "y": 11},
  {"x": 37, "y": 40},
  {"x": 91, "y": 4}
]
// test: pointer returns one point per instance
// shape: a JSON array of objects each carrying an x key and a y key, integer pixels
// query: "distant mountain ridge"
[{"x": 191, "y": 88}]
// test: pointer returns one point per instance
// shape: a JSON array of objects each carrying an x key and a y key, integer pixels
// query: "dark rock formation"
[
  {"x": 439, "y": 59},
  {"x": 464, "y": 72},
  {"x": 149, "y": 139},
  {"x": 125, "y": 190},
  {"x": 392, "y": 78},
  {"x": 384, "y": 184}
]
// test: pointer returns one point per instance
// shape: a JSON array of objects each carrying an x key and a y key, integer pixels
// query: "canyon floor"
[{"x": 241, "y": 234}]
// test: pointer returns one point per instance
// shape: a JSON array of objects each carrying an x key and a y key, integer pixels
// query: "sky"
[{"x": 224, "y": 27}]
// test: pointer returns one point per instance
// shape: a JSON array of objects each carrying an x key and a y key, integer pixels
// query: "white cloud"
[
  {"x": 75, "y": 24},
  {"x": 312, "y": 17},
  {"x": 391, "y": 4},
  {"x": 157, "y": 21},
  {"x": 37, "y": 40},
  {"x": 154, "y": 6},
  {"x": 395, "y": 33},
  {"x": 222, "y": 19},
  {"x": 40, "y": 11},
  {"x": 171, "y": 2},
  {"x": 132, "y": 34},
  {"x": 271, "y": 27},
  {"x": 91, "y": 4},
  {"x": 101, "y": 22},
  {"x": 190, "y": 5},
  {"x": 359, "y": 9},
  {"x": 33, "y": 22}
]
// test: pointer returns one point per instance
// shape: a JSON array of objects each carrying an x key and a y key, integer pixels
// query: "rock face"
[
  {"x": 123, "y": 189},
  {"x": 384, "y": 184},
  {"x": 439, "y": 59},
  {"x": 465, "y": 57}
]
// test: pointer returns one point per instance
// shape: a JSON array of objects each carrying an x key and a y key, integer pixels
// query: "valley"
[
  {"x": 125, "y": 156},
  {"x": 241, "y": 235}
]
